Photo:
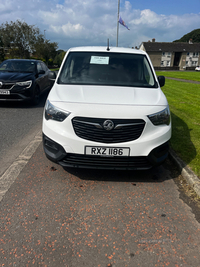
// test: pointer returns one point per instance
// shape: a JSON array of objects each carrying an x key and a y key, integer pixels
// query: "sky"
[{"x": 73, "y": 23}]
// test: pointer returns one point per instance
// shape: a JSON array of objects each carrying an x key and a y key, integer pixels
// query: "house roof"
[{"x": 171, "y": 47}]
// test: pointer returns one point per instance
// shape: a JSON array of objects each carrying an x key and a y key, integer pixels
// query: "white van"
[{"x": 106, "y": 110}]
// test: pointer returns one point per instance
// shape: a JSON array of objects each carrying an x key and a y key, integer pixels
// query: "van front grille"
[{"x": 92, "y": 129}]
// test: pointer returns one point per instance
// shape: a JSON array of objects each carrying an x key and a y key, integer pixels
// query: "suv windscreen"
[
  {"x": 17, "y": 66},
  {"x": 114, "y": 69}
]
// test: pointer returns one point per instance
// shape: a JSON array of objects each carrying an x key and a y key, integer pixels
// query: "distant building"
[{"x": 172, "y": 55}]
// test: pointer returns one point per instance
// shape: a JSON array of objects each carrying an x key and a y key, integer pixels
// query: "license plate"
[
  {"x": 4, "y": 92},
  {"x": 107, "y": 151}
]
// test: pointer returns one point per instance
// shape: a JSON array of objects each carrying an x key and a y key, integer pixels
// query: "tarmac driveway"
[{"x": 74, "y": 218}]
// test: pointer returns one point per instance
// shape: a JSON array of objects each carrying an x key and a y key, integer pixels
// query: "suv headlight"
[
  {"x": 54, "y": 113},
  {"x": 27, "y": 84},
  {"x": 162, "y": 117}
]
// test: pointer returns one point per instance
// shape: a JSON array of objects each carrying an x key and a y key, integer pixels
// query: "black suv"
[{"x": 23, "y": 79}]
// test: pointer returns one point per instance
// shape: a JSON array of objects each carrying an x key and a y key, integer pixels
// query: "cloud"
[
  {"x": 163, "y": 28},
  {"x": 5, "y": 7},
  {"x": 148, "y": 17},
  {"x": 92, "y": 22},
  {"x": 152, "y": 20},
  {"x": 69, "y": 30}
]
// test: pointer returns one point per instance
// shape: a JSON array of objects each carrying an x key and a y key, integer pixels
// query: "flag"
[{"x": 123, "y": 23}]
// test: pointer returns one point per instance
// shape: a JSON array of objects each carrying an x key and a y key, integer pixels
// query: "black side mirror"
[
  {"x": 52, "y": 75},
  {"x": 161, "y": 80}
]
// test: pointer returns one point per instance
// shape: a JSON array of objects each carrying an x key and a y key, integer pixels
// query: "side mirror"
[
  {"x": 52, "y": 75},
  {"x": 161, "y": 80}
]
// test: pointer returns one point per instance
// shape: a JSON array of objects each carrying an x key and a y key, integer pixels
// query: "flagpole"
[{"x": 118, "y": 22}]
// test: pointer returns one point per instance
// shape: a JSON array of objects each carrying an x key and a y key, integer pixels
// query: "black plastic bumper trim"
[{"x": 56, "y": 153}]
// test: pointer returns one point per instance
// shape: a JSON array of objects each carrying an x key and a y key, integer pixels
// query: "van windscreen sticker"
[{"x": 99, "y": 60}]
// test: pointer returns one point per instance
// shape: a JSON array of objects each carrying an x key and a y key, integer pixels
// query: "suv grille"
[
  {"x": 7, "y": 86},
  {"x": 123, "y": 131}
]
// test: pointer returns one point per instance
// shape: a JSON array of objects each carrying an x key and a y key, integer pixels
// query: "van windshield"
[{"x": 114, "y": 69}]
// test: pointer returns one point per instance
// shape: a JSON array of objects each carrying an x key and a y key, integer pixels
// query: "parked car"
[
  {"x": 106, "y": 110},
  {"x": 197, "y": 68},
  {"x": 23, "y": 79}
]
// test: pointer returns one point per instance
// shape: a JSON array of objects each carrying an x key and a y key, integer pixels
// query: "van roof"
[{"x": 104, "y": 49}]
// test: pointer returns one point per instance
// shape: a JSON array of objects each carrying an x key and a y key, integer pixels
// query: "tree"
[
  {"x": 194, "y": 35},
  {"x": 2, "y": 54},
  {"x": 59, "y": 57},
  {"x": 22, "y": 40},
  {"x": 45, "y": 49},
  {"x": 19, "y": 37}
]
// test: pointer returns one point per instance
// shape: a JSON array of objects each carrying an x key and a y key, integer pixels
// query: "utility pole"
[{"x": 118, "y": 22}]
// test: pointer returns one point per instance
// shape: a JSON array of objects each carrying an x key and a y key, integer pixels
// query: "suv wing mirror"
[{"x": 52, "y": 75}]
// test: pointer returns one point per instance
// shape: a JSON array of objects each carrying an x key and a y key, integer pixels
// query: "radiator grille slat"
[
  {"x": 7, "y": 86},
  {"x": 86, "y": 161},
  {"x": 92, "y": 129}
]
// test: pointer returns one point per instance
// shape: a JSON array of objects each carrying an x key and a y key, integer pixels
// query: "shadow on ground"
[
  {"x": 155, "y": 175},
  {"x": 181, "y": 140},
  {"x": 25, "y": 105}
]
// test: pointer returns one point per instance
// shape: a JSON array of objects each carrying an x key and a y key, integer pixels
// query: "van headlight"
[
  {"x": 162, "y": 117},
  {"x": 54, "y": 113}
]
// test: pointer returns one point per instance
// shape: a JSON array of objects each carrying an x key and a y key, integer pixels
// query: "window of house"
[
  {"x": 195, "y": 54},
  {"x": 168, "y": 63},
  {"x": 162, "y": 63},
  {"x": 163, "y": 53}
]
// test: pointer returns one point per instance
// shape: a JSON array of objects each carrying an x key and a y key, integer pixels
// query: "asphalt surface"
[
  {"x": 56, "y": 217},
  {"x": 50, "y": 216},
  {"x": 20, "y": 122}
]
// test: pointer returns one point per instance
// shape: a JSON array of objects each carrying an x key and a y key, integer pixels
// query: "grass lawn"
[
  {"x": 184, "y": 100},
  {"x": 54, "y": 69},
  {"x": 187, "y": 75}
]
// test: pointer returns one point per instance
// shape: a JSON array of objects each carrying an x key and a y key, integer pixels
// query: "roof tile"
[{"x": 171, "y": 47}]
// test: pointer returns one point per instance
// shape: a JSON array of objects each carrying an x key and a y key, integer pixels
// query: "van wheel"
[{"x": 36, "y": 96}]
